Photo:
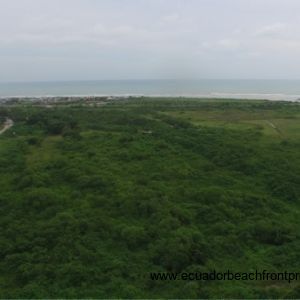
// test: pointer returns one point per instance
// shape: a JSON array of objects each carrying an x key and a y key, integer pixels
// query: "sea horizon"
[{"x": 269, "y": 89}]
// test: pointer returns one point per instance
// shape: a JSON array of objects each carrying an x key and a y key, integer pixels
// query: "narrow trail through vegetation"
[
  {"x": 7, "y": 124},
  {"x": 275, "y": 127}
]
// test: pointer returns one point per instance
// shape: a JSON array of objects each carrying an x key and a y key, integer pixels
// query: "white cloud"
[
  {"x": 229, "y": 44},
  {"x": 272, "y": 30},
  {"x": 201, "y": 35},
  {"x": 171, "y": 18}
]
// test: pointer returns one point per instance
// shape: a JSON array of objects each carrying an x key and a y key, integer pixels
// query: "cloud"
[
  {"x": 112, "y": 36},
  {"x": 171, "y": 18},
  {"x": 229, "y": 44},
  {"x": 225, "y": 46},
  {"x": 272, "y": 30}
]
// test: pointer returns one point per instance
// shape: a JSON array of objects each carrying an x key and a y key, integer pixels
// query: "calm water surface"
[{"x": 266, "y": 89}]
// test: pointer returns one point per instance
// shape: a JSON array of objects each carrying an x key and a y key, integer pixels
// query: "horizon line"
[{"x": 147, "y": 79}]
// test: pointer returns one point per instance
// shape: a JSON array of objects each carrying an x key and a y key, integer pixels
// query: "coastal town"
[{"x": 60, "y": 100}]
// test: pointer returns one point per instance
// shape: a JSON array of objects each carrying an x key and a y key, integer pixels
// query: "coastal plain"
[{"x": 98, "y": 193}]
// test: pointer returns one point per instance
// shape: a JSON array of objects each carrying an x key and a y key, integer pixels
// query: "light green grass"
[
  {"x": 44, "y": 152},
  {"x": 287, "y": 127}
]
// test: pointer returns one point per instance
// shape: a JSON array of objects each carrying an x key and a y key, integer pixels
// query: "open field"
[
  {"x": 269, "y": 123},
  {"x": 95, "y": 198}
]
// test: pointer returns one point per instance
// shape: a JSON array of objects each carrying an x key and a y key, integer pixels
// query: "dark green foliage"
[{"x": 94, "y": 199}]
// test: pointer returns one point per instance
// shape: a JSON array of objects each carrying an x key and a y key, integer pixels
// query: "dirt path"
[
  {"x": 271, "y": 124},
  {"x": 275, "y": 128},
  {"x": 7, "y": 124}
]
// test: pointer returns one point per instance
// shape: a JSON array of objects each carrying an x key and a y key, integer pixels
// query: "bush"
[{"x": 271, "y": 233}]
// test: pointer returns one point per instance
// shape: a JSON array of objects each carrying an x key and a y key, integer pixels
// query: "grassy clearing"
[
  {"x": 45, "y": 152},
  {"x": 270, "y": 123}
]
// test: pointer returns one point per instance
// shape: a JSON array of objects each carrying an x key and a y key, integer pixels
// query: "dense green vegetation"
[{"x": 93, "y": 199}]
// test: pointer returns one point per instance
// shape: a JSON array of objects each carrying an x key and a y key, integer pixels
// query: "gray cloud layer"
[{"x": 116, "y": 39}]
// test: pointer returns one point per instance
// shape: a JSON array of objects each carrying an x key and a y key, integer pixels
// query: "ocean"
[{"x": 247, "y": 89}]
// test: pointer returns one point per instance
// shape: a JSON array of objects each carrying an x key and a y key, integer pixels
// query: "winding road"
[{"x": 7, "y": 124}]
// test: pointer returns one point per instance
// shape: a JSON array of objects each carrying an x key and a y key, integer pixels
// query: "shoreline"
[{"x": 227, "y": 96}]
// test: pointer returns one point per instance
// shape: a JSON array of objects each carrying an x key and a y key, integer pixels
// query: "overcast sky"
[{"x": 138, "y": 39}]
